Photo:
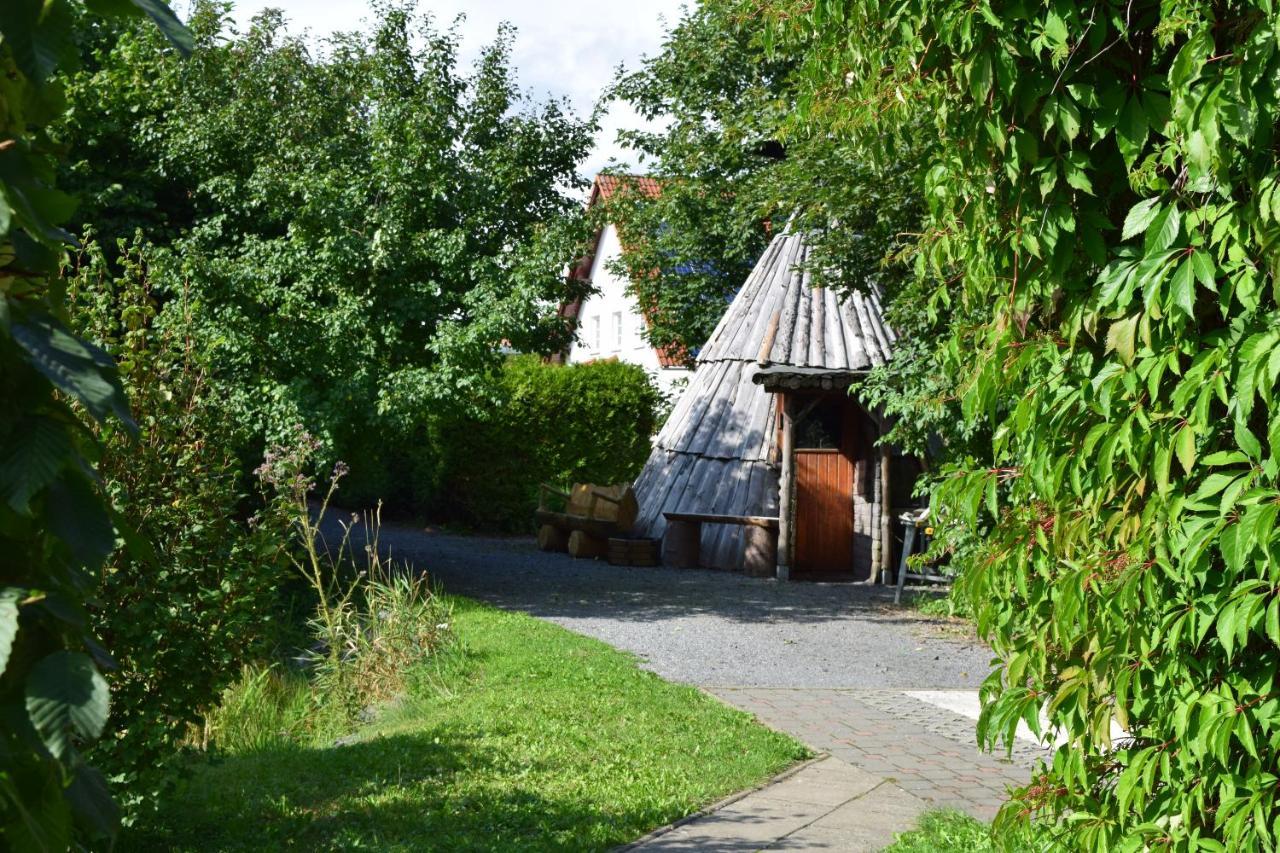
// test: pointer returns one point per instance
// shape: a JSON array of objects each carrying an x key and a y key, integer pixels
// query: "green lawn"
[
  {"x": 948, "y": 831},
  {"x": 529, "y": 738}
]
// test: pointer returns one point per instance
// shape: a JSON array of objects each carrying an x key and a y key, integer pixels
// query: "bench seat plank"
[{"x": 770, "y": 522}]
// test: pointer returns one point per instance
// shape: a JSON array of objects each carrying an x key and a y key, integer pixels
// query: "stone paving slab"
[
  {"x": 827, "y": 805},
  {"x": 924, "y": 750}
]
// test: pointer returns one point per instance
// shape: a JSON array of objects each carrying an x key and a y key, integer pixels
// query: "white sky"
[{"x": 565, "y": 48}]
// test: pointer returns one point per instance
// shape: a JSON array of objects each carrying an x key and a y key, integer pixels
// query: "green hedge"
[{"x": 536, "y": 423}]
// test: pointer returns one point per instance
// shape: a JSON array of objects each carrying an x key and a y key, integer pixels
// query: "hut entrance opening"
[{"x": 826, "y": 455}]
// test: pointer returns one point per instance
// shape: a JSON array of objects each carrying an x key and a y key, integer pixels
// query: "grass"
[
  {"x": 945, "y": 831},
  {"x": 526, "y": 737}
]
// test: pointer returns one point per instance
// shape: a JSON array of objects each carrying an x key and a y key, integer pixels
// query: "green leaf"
[
  {"x": 1205, "y": 271},
  {"x": 39, "y": 449},
  {"x": 1131, "y": 132},
  {"x": 174, "y": 30},
  {"x": 9, "y": 599},
  {"x": 1245, "y": 734},
  {"x": 74, "y": 366},
  {"x": 1079, "y": 179},
  {"x": 1139, "y": 217},
  {"x": 1163, "y": 230},
  {"x": 76, "y": 515},
  {"x": 1068, "y": 118},
  {"x": 1120, "y": 337},
  {"x": 1183, "y": 289},
  {"x": 1185, "y": 447},
  {"x": 91, "y": 802},
  {"x": 40, "y": 37},
  {"x": 1162, "y": 460},
  {"x": 66, "y": 700},
  {"x": 1246, "y": 440}
]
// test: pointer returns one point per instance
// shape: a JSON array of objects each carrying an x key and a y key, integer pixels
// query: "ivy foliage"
[
  {"x": 1102, "y": 207},
  {"x": 56, "y": 529}
]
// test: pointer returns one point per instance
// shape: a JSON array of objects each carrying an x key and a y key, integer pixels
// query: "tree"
[
  {"x": 55, "y": 527},
  {"x": 733, "y": 170},
  {"x": 1102, "y": 210},
  {"x": 357, "y": 230}
]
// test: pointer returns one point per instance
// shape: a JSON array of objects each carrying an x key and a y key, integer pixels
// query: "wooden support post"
[
  {"x": 886, "y": 519},
  {"x": 760, "y": 557},
  {"x": 786, "y": 492}
]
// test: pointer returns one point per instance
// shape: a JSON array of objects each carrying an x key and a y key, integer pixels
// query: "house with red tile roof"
[{"x": 610, "y": 322}]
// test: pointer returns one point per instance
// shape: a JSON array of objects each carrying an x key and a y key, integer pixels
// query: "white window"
[
  {"x": 595, "y": 332},
  {"x": 617, "y": 329}
]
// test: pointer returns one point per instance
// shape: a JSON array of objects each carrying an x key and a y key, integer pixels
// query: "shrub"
[
  {"x": 179, "y": 625},
  {"x": 547, "y": 423}
]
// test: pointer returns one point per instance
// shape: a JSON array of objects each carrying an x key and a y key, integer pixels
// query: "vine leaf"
[
  {"x": 1139, "y": 217},
  {"x": 1185, "y": 447},
  {"x": 1120, "y": 337},
  {"x": 1184, "y": 289}
]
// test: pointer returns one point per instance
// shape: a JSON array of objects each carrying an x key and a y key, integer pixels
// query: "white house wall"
[{"x": 610, "y": 324}]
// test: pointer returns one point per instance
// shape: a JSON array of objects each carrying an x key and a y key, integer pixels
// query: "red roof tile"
[{"x": 606, "y": 186}]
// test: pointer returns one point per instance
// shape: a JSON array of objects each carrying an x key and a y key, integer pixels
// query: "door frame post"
[{"x": 786, "y": 489}]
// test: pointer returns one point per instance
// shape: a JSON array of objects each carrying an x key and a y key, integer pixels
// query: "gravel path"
[{"x": 705, "y": 627}]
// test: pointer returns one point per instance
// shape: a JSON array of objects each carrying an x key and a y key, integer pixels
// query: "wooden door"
[{"x": 824, "y": 461}]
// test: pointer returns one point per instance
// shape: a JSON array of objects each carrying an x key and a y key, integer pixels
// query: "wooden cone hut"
[{"x": 767, "y": 436}]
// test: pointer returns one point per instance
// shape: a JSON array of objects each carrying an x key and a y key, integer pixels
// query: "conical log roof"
[{"x": 713, "y": 455}]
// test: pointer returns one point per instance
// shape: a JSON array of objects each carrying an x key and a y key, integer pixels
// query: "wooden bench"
[
  {"x": 682, "y": 544},
  {"x": 591, "y": 515}
]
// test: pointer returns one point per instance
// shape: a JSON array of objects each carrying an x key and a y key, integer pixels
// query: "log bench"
[
  {"x": 682, "y": 544},
  {"x": 591, "y": 515}
]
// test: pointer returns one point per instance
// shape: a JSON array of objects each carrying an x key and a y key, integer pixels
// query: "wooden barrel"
[
  {"x": 633, "y": 552},
  {"x": 582, "y": 544}
]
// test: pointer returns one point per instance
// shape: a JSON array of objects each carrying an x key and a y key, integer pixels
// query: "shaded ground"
[
  {"x": 881, "y": 689},
  {"x": 705, "y": 627}
]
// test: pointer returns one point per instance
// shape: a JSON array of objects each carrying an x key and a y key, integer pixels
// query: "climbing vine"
[{"x": 1104, "y": 210}]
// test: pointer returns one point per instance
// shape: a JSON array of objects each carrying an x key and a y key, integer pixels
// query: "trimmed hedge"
[{"x": 536, "y": 423}]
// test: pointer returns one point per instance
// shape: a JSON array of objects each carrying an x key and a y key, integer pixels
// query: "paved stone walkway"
[
  {"x": 930, "y": 752},
  {"x": 826, "y": 805}
]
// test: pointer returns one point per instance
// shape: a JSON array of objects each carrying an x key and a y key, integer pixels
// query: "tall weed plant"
[{"x": 375, "y": 620}]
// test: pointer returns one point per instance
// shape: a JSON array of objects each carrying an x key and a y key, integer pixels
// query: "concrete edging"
[{"x": 719, "y": 804}]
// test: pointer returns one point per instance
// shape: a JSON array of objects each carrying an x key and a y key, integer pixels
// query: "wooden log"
[
  {"x": 886, "y": 519},
  {"x": 760, "y": 558},
  {"x": 766, "y": 347},
  {"x": 552, "y": 538},
  {"x": 786, "y": 492},
  {"x": 682, "y": 544},
  {"x": 582, "y": 544}
]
